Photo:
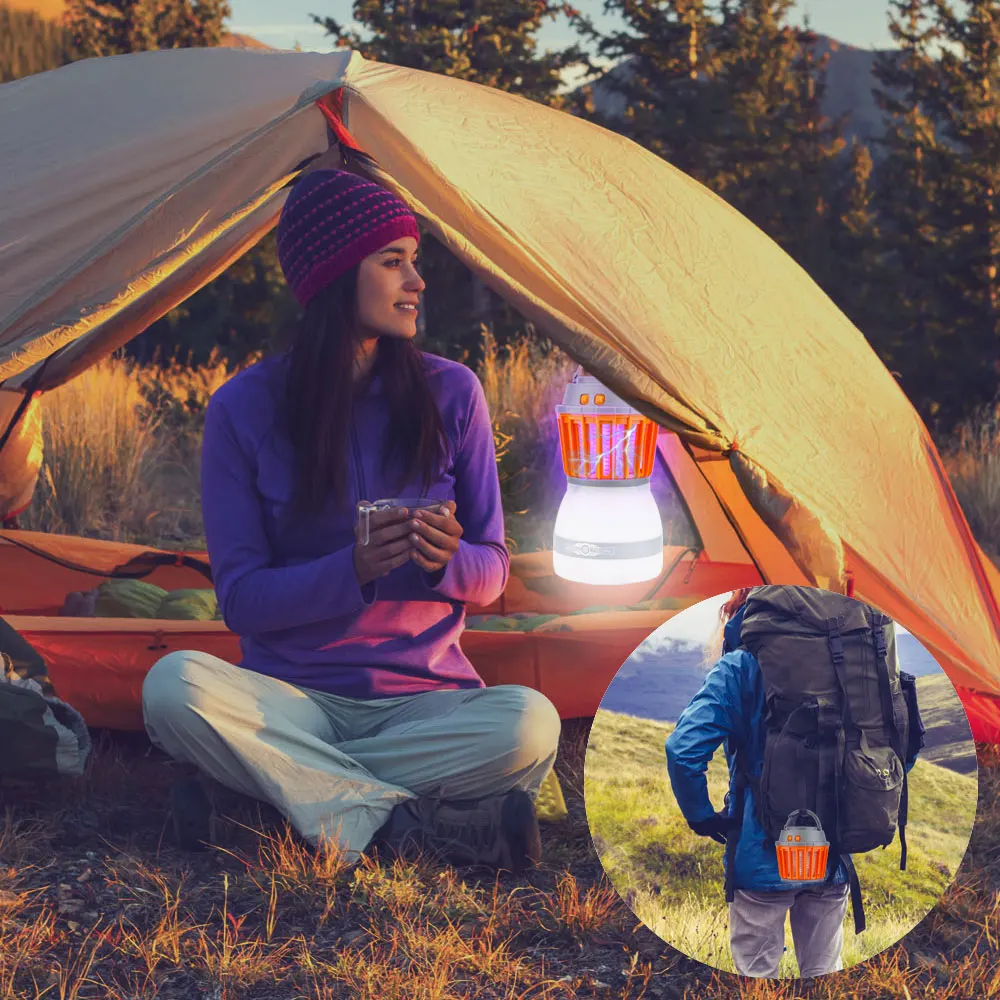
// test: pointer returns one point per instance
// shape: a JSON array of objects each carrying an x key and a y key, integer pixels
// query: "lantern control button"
[
  {"x": 585, "y": 399},
  {"x": 599, "y": 399}
]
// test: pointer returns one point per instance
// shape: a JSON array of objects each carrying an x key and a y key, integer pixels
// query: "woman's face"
[{"x": 389, "y": 289}]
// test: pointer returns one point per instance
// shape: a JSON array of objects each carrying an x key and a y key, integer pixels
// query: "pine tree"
[
  {"x": 490, "y": 42},
  {"x": 936, "y": 193},
  {"x": 780, "y": 155},
  {"x": 858, "y": 279},
  {"x": 664, "y": 82},
  {"x": 731, "y": 94},
  {"x": 110, "y": 27},
  {"x": 246, "y": 309},
  {"x": 30, "y": 44},
  {"x": 813, "y": 168},
  {"x": 969, "y": 66}
]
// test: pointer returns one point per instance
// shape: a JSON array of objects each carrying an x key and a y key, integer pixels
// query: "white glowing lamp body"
[{"x": 608, "y": 529}]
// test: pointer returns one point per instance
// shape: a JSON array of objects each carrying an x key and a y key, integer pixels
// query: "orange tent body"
[
  {"x": 98, "y": 664},
  {"x": 797, "y": 455}
]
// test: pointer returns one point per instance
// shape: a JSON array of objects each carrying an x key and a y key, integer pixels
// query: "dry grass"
[
  {"x": 122, "y": 446},
  {"x": 101, "y": 445},
  {"x": 972, "y": 459},
  {"x": 96, "y": 903},
  {"x": 523, "y": 381}
]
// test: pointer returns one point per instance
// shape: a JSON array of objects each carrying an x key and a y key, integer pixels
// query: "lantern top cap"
[{"x": 586, "y": 393}]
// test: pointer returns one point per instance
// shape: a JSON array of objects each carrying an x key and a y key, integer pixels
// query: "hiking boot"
[
  {"x": 497, "y": 832},
  {"x": 192, "y": 814}
]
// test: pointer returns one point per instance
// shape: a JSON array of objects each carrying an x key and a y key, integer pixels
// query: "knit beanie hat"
[{"x": 331, "y": 221}]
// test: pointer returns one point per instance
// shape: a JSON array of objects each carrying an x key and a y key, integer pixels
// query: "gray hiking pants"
[
  {"x": 334, "y": 766},
  {"x": 757, "y": 929}
]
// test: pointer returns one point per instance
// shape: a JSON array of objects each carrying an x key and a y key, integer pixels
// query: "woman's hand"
[
  {"x": 388, "y": 545},
  {"x": 434, "y": 537}
]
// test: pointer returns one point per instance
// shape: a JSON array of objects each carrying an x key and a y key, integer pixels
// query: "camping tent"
[{"x": 127, "y": 183}]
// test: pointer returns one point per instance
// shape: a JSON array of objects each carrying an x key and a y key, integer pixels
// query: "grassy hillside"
[{"x": 672, "y": 879}]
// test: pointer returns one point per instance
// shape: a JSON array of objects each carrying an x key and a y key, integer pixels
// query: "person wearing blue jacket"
[{"x": 729, "y": 708}]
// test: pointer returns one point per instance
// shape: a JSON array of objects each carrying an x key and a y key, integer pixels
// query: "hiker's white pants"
[
  {"x": 335, "y": 766},
  {"x": 757, "y": 929}
]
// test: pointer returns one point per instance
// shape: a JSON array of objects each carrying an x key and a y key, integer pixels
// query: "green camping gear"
[
  {"x": 128, "y": 599},
  {"x": 193, "y": 604}
]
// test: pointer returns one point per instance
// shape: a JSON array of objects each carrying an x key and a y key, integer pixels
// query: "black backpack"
[
  {"x": 841, "y": 722},
  {"x": 41, "y": 737}
]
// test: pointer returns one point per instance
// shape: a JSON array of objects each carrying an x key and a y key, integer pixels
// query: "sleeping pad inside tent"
[{"x": 564, "y": 639}]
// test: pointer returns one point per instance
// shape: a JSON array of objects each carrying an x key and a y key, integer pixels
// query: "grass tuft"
[{"x": 972, "y": 460}]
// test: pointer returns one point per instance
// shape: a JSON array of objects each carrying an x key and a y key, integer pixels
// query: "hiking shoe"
[
  {"x": 192, "y": 814},
  {"x": 497, "y": 832}
]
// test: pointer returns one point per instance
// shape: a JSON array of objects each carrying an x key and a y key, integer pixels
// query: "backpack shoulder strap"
[{"x": 891, "y": 727}]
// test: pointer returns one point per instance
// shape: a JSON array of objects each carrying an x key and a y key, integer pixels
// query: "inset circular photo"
[{"x": 781, "y": 782}]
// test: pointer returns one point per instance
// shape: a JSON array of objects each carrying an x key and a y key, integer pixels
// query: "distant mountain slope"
[
  {"x": 238, "y": 41},
  {"x": 663, "y": 675},
  {"x": 850, "y": 80}
]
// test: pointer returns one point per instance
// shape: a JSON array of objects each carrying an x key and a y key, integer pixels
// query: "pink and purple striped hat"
[{"x": 331, "y": 221}]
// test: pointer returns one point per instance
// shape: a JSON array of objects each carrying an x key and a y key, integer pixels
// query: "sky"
[{"x": 282, "y": 23}]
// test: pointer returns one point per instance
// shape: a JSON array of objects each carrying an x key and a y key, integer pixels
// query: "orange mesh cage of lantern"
[
  {"x": 601, "y": 437},
  {"x": 802, "y": 850}
]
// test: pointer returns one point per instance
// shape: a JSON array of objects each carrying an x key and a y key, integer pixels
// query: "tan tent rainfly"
[{"x": 129, "y": 182}]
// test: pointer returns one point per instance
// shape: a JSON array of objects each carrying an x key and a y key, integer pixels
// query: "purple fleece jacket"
[{"x": 287, "y": 586}]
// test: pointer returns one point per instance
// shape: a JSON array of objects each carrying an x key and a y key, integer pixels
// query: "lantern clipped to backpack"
[
  {"x": 841, "y": 721},
  {"x": 802, "y": 850}
]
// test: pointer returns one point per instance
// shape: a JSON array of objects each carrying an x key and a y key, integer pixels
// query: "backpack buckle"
[
  {"x": 881, "y": 646},
  {"x": 833, "y": 627}
]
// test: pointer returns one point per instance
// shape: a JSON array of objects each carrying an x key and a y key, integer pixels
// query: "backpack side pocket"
[
  {"x": 871, "y": 786},
  {"x": 915, "y": 730}
]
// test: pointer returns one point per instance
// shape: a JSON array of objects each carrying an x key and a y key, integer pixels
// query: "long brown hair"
[
  {"x": 320, "y": 393},
  {"x": 733, "y": 603}
]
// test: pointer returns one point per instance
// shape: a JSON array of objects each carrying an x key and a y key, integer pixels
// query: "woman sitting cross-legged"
[{"x": 354, "y": 710}]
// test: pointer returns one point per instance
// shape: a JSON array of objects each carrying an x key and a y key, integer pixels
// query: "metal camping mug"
[{"x": 365, "y": 510}]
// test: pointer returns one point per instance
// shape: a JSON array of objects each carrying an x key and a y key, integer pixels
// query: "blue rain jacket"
[{"x": 730, "y": 704}]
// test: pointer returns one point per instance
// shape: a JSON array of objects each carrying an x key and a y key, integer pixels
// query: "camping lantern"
[
  {"x": 802, "y": 850},
  {"x": 608, "y": 529}
]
